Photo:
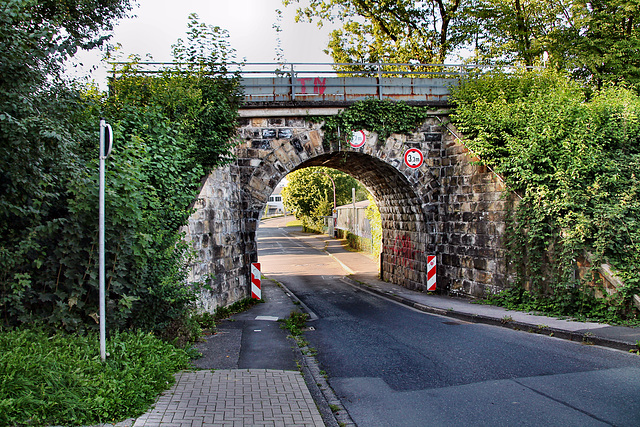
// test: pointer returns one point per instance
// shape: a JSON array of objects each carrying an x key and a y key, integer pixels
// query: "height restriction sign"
[
  {"x": 413, "y": 158},
  {"x": 358, "y": 138}
]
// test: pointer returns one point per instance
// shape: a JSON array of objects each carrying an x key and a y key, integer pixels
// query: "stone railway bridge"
[{"x": 448, "y": 207}]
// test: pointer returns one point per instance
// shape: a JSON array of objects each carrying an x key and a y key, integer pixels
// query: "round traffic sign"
[
  {"x": 413, "y": 158},
  {"x": 358, "y": 139}
]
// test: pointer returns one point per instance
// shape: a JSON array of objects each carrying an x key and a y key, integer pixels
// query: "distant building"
[{"x": 274, "y": 204}]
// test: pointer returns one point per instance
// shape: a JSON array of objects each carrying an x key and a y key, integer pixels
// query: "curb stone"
[
  {"x": 584, "y": 337},
  {"x": 318, "y": 385}
]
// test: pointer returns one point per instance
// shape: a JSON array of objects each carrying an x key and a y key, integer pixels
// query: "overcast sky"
[{"x": 159, "y": 23}]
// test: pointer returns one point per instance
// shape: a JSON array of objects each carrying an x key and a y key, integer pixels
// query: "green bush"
[
  {"x": 575, "y": 163},
  {"x": 60, "y": 379},
  {"x": 169, "y": 131}
]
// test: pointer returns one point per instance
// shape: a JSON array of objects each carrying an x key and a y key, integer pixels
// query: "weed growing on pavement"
[
  {"x": 60, "y": 380},
  {"x": 295, "y": 323},
  {"x": 206, "y": 320},
  {"x": 506, "y": 319}
]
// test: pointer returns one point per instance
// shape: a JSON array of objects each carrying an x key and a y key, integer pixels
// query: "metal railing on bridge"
[{"x": 325, "y": 83}]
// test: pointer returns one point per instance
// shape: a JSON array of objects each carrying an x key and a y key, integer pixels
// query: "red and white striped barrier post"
[
  {"x": 256, "y": 292},
  {"x": 431, "y": 273}
]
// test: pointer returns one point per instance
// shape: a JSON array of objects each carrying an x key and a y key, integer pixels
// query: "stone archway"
[
  {"x": 448, "y": 207},
  {"x": 405, "y": 213}
]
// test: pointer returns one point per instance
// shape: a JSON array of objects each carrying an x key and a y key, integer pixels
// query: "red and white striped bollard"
[
  {"x": 256, "y": 292},
  {"x": 431, "y": 273}
]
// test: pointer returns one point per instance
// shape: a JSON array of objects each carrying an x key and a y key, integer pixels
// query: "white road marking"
[{"x": 269, "y": 318}]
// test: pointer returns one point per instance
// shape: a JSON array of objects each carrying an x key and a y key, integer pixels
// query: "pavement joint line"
[
  {"x": 347, "y": 269},
  {"x": 312, "y": 316}
]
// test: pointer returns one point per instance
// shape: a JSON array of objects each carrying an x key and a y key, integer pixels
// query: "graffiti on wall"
[
  {"x": 403, "y": 252},
  {"x": 319, "y": 85}
]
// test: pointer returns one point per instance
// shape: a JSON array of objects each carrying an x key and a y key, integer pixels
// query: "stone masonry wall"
[
  {"x": 448, "y": 207},
  {"x": 472, "y": 212},
  {"x": 216, "y": 232}
]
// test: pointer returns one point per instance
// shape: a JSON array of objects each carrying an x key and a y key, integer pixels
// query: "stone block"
[{"x": 259, "y": 122}]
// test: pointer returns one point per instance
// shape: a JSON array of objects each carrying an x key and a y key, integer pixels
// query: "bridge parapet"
[
  {"x": 343, "y": 84},
  {"x": 328, "y": 84},
  {"x": 344, "y": 90}
]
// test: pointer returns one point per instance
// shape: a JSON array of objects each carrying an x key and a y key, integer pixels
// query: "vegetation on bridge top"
[{"x": 573, "y": 155}]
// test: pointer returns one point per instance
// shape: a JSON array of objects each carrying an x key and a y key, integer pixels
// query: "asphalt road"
[{"x": 394, "y": 366}]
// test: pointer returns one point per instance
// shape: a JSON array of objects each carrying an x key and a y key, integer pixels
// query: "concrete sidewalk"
[
  {"x": 231, "y": 391},
  {"x": 363, "y": 272}
]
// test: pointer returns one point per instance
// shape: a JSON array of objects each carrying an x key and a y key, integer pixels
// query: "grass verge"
[
  {"x": 294, "y": 223},
  {"x": 60, "y": 379}
]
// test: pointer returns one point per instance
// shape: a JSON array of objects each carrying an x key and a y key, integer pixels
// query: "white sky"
[{"x": 159, "y": 23}]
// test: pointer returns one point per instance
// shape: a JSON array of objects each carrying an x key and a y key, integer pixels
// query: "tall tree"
[
  {"x": 600, "y": 42},
  {"x": 170, "y": 130},
  {"x": 515, "y": 31},
  {"x": 309, "y": 193},
  {"x": 392, "y": 31},
  {"x": 41, "y": 126},
  {"x": 596, "y": 40}
]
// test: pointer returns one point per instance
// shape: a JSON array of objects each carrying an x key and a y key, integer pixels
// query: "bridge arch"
[
  {"x": 405, "y": 211},
  {"x": 448, "y": 207}
]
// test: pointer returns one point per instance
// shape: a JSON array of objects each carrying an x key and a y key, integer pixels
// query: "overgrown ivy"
[
  {"x": 169, "y": 131},
  {"x": 383, "y": 117},
  {"x": 375, "y": 222},
  {"x": 576, "y": 164}
]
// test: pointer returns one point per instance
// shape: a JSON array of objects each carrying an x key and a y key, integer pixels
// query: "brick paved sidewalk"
[{"x": 236, "y": 397}]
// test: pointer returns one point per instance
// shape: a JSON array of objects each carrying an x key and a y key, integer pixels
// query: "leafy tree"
[
  {"x": 207, "y": 47},
  {"x": 42, "y": 131},
  {"x": 600, "y": 41},
  {"x": 596, "y": 40},
  {"x": 515, "y": 31},
  {"x": 309, "y": 193},
  {"x": 392, "y": 31}
]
